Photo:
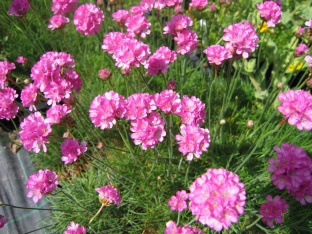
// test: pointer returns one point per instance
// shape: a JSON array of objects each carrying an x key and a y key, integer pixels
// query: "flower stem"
[{"x": 97, "y": 213}]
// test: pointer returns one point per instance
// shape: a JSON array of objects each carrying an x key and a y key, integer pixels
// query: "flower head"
[
  {"x": 301, "y": 49},
  {"x": 88, "y": 18},
  {"x": 121, "y": 16},
  {"x": 5, "y": 69},
  {"x": 63, "y": 6},
  {"x": 273, "y": 209},
  {"x": 8, "y": 108},
  {"x": 71, "y": 149},
  {"x": 138, "y": 25},
  {"x": 108, "y": 195},
  {"x": 42, "y": 182},
  {"x": 19, "y": 7},
  {"x": 58, "y": 22},
  {"x": 199, "y": 4},
  {"x": 217, "y": 198},
  {"x": 216, "y": 54},
  {"x": 22, "y": 60},
  {"x": 74, "y": 228},
  {"x": 271, "y": 12},
  {"x": 3, "y": 221},
  {"x": 173, "y": 228},
  {"x": 178, "y": 202},
  {"x": 186, "y": 41},
  {"x": 104, "y": 74}
]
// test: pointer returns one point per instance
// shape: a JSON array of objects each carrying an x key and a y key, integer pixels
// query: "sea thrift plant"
[
  {"x": 271, "y": 12},
  {"x": 199, "y": 4},
  {"x": 297, "y": 108},
  {"x": 177, "y": 23},
  {"x": 178, "y": 202},
  {"x": 186, "y": 41},
  {"x": 216, "y": 54},
  {"x": 64, "y": 6},
  {"x": 57, "y": 22},
  {"x": 88, "y": 18},
  {"x": 121, "y": 16},
  {"x": 71, "y": 149},
  {"x": 108, "y": 195},
  {"x": 273, "y": 209},
  {"x": 19, "y": 7},
  {"x": 42, "y": 182},
  {"x": 57, "y": 113},
  {"x": 75, "y": 228},
  {"x": 138, "y": 25},
  {"x": 217, "y": 198},
  {"x": 104, "y": 74},
  {"x": 5, "y": 70},
  {"x": 22, "y": 60},
  {"x": 301, "y": 49}
]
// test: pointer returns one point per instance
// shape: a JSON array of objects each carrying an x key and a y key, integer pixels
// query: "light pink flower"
[
  {"x": 35, "y": 132},
  {"x": 199, "y": 4},
  {"x": 121, "y": 16},
  {"x": 217, "y": 198},
  {"x": 168, "y": 102},
  {"x": 178, "y": 202},
  {"x": 297, "y": 108},
  {"x": 273, "y": 209},
  {"x": 57, "y": 113},
  {"x": 5, "y": 70},
  {"x": 88, "y": 18},
  {"x": 58, "y": 22},
  {"x": 22, "y": 60},
  {"x": 147, "y": 4},
  {"x": 112, "y": 41},
  {"x": 74, "y": 228},
  {"x": 138, "y": 105},
  {"x": 105, "y": 108},
  {"x": 138, "y": 25},
  {"x": 29, "y": 96},
  {"x": 173, "y": 228},
  {"x": 108, "y": 195},
  {"x": 300, "y": 32},
  {"x": 8, "y": 108},
  {"x": 309, "y": 23},
  {"x": 308, "y": 59},
  {"x": 192, "y": 111},
  {"x": 42, "y": 182},
  {"x": 241, "y": 38},
  {"x": 63, "y": 6},
  {"x": 270, "y": 12},
  {"x": 71, "y": 149},
  {"x": 301, "y": 49},
  {"x": 3, "y": 221},
  {"x": 186, "y": 41},
  {"x": 137, "y": 10},
  {"x": 216, "y": 54},
  {"x": 173, "y": 3},
  {"x": 177, "y": 23},
  {"x": 19, "y": 7}
]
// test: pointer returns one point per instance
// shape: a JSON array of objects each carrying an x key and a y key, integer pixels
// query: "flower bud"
[
  {"x": 250, "y": 123},
  {"x": 222, "y": 122},
  {"x": 104, "y": 74}
]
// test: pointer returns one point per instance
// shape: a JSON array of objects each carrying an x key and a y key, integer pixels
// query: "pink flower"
[
  {"x": 177, "y": 23},
  {"x": 193, "y": 141},
  {"x": 216, "y": 54},
  {"x": 71, "y": 149},
  {"x": 168, "y": 102},
  {"x": 309, "y": 23},
  {"x": 173, "y": 3},
  {"x": 297, "y": 108},
  {"x": 112, "y": 41},
  {"x": 58, "y": 22},
  {"x": 3, "y": 221},
  {"x": 217, "y": 198},
  {"x": 138, "y": 25},
  {"x": 147, "y": 4},
  {"x": 148, "y": 131},
  {"x": 57, "y": 113},
  {"x": 270, "y": 12},
  {"x": 35, "y": 132},
  {"x": 172, "y": 228},
  {"x": 64, "y": 6},
  {"x": 104, "y": 109},
  {"x": 212, "y": 7},
  {"x": 19, "y": 7},
  {"x": 300, "y": 32},
  {"x": 108, "y": 195},
  {"x": 88, "y": 18},
  {"x": 172, "y": 84},
  {"x": 192, "y": 111},
  {"x": 42, "y": 182},
  {"x": 301, "y": 49},
  {"x": 104, "y": 74},
  {"x": 178, "y": 202},
  {"x": 29, "y": 96},
  {"x": 199, "y": 4},
  {"x": 273, "y": 209},
  {"x": 139, "y": 105},
  {"x": 121, "y": 16},
  {"x": 74, "y": 228},
  {"x": 136, "y": 10},
  {"x": 186, "y": 41},
  {"x": 303, "y": 193},
  {"x": 241, "y": 38},
  {"x": 22, "y": 60},
  {"x": 5, "y": 70},
  {"x": 8, "y": 108},
  {"x": 308, "y": 59}
]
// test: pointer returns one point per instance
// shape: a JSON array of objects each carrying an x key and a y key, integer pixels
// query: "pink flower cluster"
[
  {"x": 301, "y": 49},
  {"x": 217, "y": 198},
  {"x": 271, "y": 12},
  {"x": 121, "y": 16},
  {"x": 297, "y": 108},
  {"x": 88, "y": 18},
  {"x": 57, "y": 22},
  {"x": 42, "y": 182},
  {"x": 177, "y": 23},
  {"x": 199, "y": 4},
  {"x": 8, "y": 108},
  {"x": 308, "y": 59},
  {"x": 216, "y": 54},
  {"x": 138, "y": 25},
  {"x": 29, "y": 96},
  {"x": 241, "y": 38},
  {"x": 5, "y": 70},
  {"x": 71, "y": 149},
  {"x": 74, "y": 228},
  {"x": 173, "y": 228},
  {"x": 19, "y": 7},
  {"x": 159, "y": 4},
  {"x": 22, "y": 60},
  {"x": 108, "y": 195},
  {"x": 56, "y": 114},
  {"x": 3, "y": 221},
  {"x": 64, "y": 6},
  {"x": 35, "y": 132},
  {"x": 273, "y": 209},
  {"x": 178, "y": 202},
  {"x": 51, "y": 77},
  {"x": 292, "y": 170}
]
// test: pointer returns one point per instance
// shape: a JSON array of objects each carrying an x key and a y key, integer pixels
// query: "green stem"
[
  {"x": 254, "y": 223},
  {"x": 72, "y": 198},
  {"x": 97, "y": 213}
]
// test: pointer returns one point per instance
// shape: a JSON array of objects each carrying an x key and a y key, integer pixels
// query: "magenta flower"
[
  {"x": 42, "y": 182},
  {"x": 192, "y": 111},
  {"x": 178, "y": 202},
  {"x": 297, "y": 108},
  {"x": 19, "y": 7},
  {"x": 58, "y": 22},
  {"x": 300, "y": 32},
  {"x": 177, "y": 23},
  {"x": 104, "y": 109},
  {"x": 22, "y": 60},
  {"x": 308, "y": 23},
  {"x": 5, "y": 70},
  {"x": 308, "y": 59},
  {"x": 241, "y": 38},
  {"x": 108, "y": 195},
  {"x": 273, "y": 209},
  {"x": 64, "y": 6},
  {"x": 29, "y": 96},
  {"x": 216, "y": 54},
  {"x": 74, "y": 228},
  {"x": 121, "y": 16},
  {"x": 301, "y": 49},
  {"x": 271, "y": 12},
  {"x": 35, "y": 132},
  {"x": 88, "y": 18},
  {"x": 3, "y": 221},
  {"x": 186, "y": 41},
  {"x": 8, "y": 108},
  {"x": 168, "y": 102},
  {"x": 138, "y": 25},
  {"x": 171, "y": 85},
  {"x": 57, "y": 113},
  {"x": 104, "y": 74},
  {"x": 193, "y": 141},
  {"x": 199, "y": 4},
  {"x": 173, "y": 228},
  {"x": 217, "y": 198},
  {"x": 139, "y": 105},
  {"x": 71, "y": 149},
  {"x": 113, "y": 40}
]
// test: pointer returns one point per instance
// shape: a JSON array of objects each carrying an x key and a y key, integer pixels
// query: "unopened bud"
[
  {"x": 279, "y": 85},
  {"x": 104, "y": 74},
  {"x": 205, "y": 65},
  {"x": 222, "y": 121},
  {"x": 250, "y": 123}
]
